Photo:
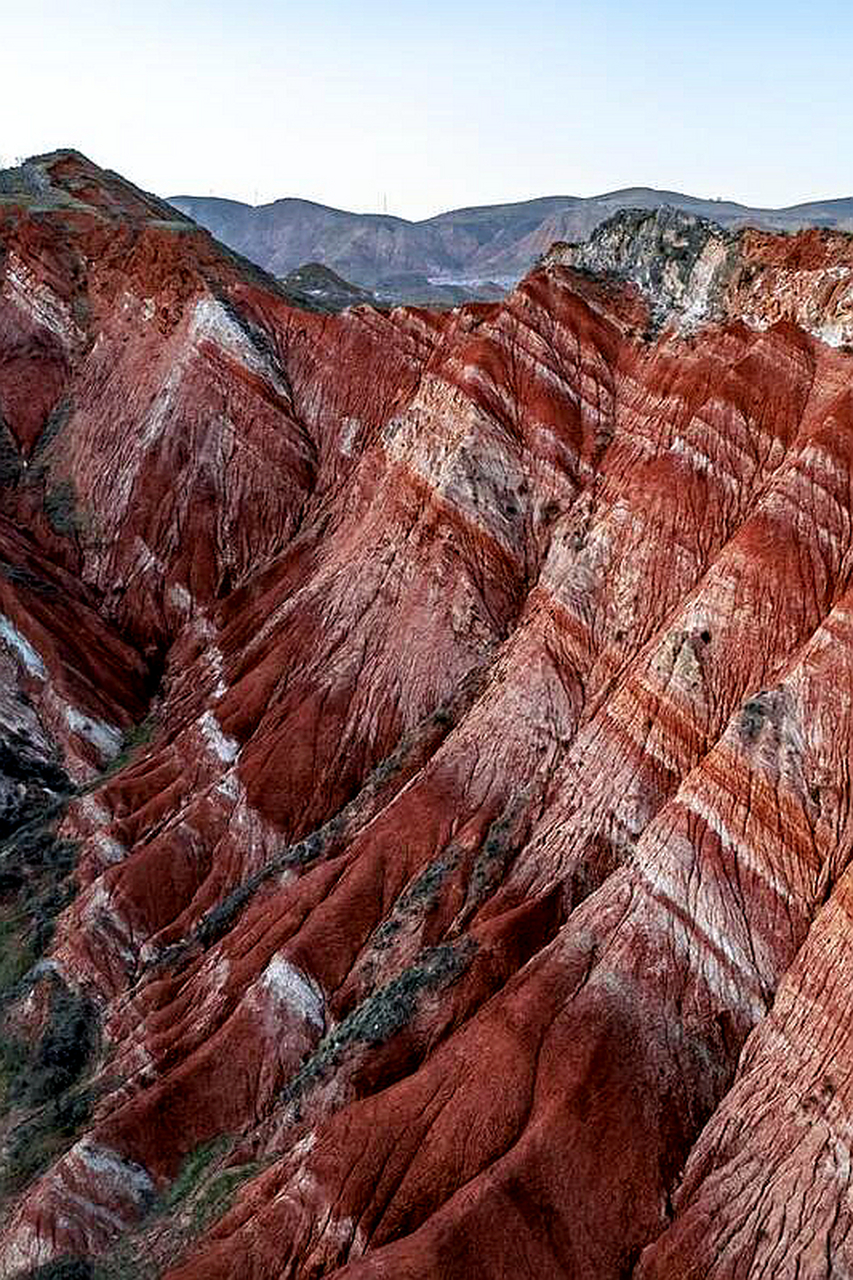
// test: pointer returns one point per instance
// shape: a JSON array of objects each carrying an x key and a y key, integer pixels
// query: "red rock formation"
[{"x": 473, "y": 899}]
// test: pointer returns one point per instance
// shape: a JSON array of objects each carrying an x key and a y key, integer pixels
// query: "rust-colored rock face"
[{"x": 426, "y": 747}]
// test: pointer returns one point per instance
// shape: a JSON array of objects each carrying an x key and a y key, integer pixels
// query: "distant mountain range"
[{"x": 475, "y": 252}]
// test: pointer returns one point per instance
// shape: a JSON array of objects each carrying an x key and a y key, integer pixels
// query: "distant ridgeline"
[{"x": 463, "y": 254}]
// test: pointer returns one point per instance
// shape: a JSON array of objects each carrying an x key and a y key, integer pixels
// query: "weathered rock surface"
[
  {"x": 425, "y": 764},
  {"x": 696, "y": 272}
]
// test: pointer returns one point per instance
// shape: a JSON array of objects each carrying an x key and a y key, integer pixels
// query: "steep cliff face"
[{"x": 426, "y": 760}]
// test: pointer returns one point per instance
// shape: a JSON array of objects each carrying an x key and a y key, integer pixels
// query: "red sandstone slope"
[{"x": 470, "y": 895}]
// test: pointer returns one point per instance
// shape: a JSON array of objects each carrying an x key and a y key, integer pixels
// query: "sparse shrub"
[
  {"x": 36, "y": 871},
  {"x": 16, "y": 957},
  {"x": 217, "y": 1197},
  {"x": 42, "y": 1137},
  {"x": 216, "y": 922},
  {"x": 191, "y": 1172},
  {"x": 384, "y": 1012},
  {"x": 67, "y": 1268},
  {"x": 66, "y": 1046},
  {"x": 14, "y": 1070},
  {"x": 490, "y": 865},
  {"x": 419, "y": 896},
  {"x": 43, "y": 1076}
]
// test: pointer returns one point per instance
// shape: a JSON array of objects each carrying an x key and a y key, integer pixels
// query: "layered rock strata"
[{"x": 425, "y": 765}]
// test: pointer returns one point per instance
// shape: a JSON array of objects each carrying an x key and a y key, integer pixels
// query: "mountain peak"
[{"x": 692, "y": 270}]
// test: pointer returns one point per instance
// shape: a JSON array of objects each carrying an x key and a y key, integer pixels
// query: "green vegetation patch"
[
  {"x": 41, "y": 1138},
  {"x": 217, "y": 1196},
  {"x": 384, "y": 1012},
  {"x": 16, "y": 958},
  {"x": 193, "y": 1169},
  {"x": 138, "y": 735},
  {"x": 42, "y": 1079},
  {"x": 36, "y": 884},
  {"x": 65, "y": 1268}
]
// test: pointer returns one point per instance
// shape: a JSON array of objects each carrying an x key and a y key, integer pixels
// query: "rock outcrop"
[
  {"x": 425, "y": 764},
  {"x": 693, "y": 271},
  {"x": 318, "y": 288}
]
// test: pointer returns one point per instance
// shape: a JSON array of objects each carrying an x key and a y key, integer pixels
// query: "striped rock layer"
[{"x": 449, "y": 720}]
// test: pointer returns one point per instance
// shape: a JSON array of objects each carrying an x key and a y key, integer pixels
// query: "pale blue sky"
[{"x": 439, "y": 104}]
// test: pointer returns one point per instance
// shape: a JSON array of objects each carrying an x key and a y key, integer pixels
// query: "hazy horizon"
[
  {"x": 415, "y": 111},
  {"x": 547, "y": 195}
]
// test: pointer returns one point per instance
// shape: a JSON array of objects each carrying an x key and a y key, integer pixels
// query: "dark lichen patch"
[
  {"x": 55, "y": 423},
  {"x": 751, "y": 719},
  {"x": 60, "y": 508},
  {"x": 10, "y": 458},
  {"x": 20, "y": 576},
  {"x": 384, "y": 1013},
  {"x": 65, "y": 1268},
  {"x": 763, "y": 708}
]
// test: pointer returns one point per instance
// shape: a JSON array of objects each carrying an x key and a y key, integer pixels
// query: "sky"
[{"x": 418, "y": 108}]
